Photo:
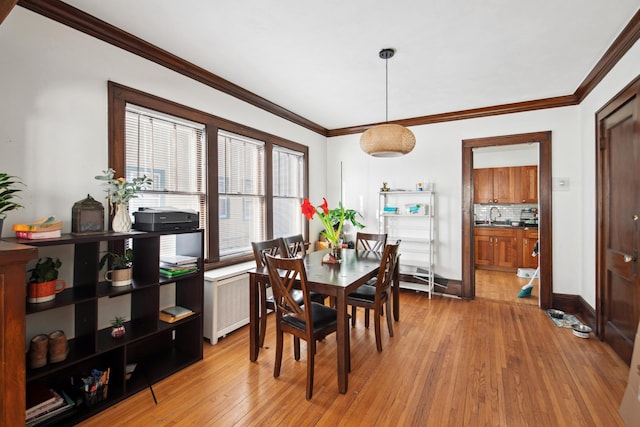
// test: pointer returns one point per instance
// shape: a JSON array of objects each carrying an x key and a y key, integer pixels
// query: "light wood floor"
[
  {"x": 451, "y": 363},
  {"x": 504, "y": 286}
]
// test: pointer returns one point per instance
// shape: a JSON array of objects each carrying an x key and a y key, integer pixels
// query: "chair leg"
[
  {"x": 389, "y": 322},
  {"x": 376, "y": 322},
  {"x": 353, "y": 316},
  {"x": 278, "y": 363},
  {"x": 296, "y": 348},
  {"x": 366, "y": 317},
  {"x": 311, "y": 350},
  {"x": 263, "y": 314}
]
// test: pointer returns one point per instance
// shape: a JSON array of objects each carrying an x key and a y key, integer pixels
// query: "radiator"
[{"x": 226, "y": 301}]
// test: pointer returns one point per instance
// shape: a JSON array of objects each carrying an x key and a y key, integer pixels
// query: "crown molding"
[
  {"x": 81, "y": 21},
  {"x": 6, "y": 6}
]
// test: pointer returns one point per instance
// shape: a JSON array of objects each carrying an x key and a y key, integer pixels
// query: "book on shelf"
[
  {"x": 37, "y": 396},
  {"x": 175, "y": 313},
  {"x": 176, "y": 272},
  {"x": 43, "y": 224},
  {"x": 34, "y": 235},
  {"x": 178, "y": 260},
  {"x": 46, "y": 406},
  {"x": 66, "y": 404}
]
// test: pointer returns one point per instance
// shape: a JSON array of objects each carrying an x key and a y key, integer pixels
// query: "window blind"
[
  {"x": 288, "y": 191},
  {"x": 241, "y": 193}
]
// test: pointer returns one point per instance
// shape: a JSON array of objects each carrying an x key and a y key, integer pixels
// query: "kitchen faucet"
[{"x": 491, "y": 220}]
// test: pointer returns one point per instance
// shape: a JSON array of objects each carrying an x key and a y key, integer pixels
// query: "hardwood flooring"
[
  {"x": 504, "y": 286},
  {"x": 451, "y": 363}
]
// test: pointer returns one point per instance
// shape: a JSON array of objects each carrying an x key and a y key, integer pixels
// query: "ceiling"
[{"x": 320, "y": 59}]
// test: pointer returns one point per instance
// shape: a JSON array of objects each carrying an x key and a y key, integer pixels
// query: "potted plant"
[
  {"x": 117, "y": 327},
  {"x": 121, "y": 267},
  {"x": 43, "y": 284},
  {"x": 8, "y": 195}
]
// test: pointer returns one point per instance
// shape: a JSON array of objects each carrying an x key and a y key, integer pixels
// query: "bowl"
[
  {"x": 581, "y": 331},
  {"x": 556, "y": 314}
]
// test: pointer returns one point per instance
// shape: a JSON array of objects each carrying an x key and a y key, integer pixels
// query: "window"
[
  {"x": 246, "y": 184},
  {"x": 288, "y": 191},
  {"x": 241, "y": 169}
]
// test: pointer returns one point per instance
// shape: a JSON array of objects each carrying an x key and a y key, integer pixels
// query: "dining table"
[{"x": 336, "y": 280}]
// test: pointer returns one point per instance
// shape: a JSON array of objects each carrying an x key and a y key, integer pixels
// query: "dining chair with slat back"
[
  {"x": 271, "y": 247},
  {"x": 368, "y": 242},
  {"x": 294, "y": 245},
  {"x": 309, "y": 321},
  {"x": 377, "y": 296},
  {"x": 371, "y": 241}
]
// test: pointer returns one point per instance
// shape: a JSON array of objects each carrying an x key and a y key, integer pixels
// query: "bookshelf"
[{"x": 157, "y": 348}]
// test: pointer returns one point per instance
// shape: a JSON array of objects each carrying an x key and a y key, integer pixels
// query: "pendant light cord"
[{"x": 386, "y": 84}]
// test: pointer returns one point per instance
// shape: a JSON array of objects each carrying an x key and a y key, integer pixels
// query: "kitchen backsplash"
[{"x": 507, "y": 212}]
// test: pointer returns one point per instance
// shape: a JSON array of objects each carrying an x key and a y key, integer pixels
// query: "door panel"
[{"x": 621, "y": 212}]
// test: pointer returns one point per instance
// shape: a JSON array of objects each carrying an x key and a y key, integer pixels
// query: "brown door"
[{"x": 619, "y": 199}]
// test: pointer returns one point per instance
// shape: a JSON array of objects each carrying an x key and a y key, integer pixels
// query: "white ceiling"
[{"x": 320, "y": 59}]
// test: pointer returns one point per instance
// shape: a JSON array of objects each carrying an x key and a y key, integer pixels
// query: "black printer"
[{"x": 165, "y": 219}]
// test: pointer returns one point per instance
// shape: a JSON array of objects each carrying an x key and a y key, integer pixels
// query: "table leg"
[
  {"x": 254, "y": 336},
  {"x": 343, "y": 342}
]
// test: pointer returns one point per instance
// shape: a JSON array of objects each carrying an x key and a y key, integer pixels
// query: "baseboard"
[{"x": 575, "y": 304}]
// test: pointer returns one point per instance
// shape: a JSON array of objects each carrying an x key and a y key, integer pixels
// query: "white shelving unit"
[{"x": 409, "y": 216}]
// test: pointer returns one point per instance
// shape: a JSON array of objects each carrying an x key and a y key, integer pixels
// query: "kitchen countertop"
[{"x": 499, "y": 224}]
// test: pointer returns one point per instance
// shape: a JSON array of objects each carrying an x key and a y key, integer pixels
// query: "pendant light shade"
[{"x": 387, "y": 140}]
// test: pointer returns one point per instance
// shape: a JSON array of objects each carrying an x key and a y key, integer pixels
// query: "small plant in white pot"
[
  {"x": 121, "y": 267},
  {"x": 8, "y": 196},
  {"x": 117, "y": 327}
]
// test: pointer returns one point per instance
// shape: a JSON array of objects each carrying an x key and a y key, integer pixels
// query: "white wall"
[
  {"x": 438, "y": 158},
  {"x": 53, "y": 120},
  {"x": 53, "y": 134}
]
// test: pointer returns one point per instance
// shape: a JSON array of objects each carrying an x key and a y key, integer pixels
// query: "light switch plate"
[{"x": 560, "y": 184}]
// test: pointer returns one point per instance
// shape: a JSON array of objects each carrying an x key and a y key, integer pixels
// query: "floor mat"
[{"x": 567, "y": 321}]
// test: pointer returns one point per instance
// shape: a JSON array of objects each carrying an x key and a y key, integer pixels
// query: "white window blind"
[
  {"x": 241, "y": 193},
  {"x": 288, "y": 191},
  {"x": 171, "y": 151}
]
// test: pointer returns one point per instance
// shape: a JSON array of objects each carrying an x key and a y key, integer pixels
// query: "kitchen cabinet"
[
  {"x": 496, "y": 247},
  {"x": 494, "y": 185},
  {"x": 528, "y": 184},
  {"x": 516, "y": 184},
  {"x": 529, "y": 239}
]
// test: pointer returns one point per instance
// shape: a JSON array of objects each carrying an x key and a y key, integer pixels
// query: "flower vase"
[
  {"x": 334, "y": 256},
  {"x": 118, "y": 331},
  {"x": 121, "y": 222}
]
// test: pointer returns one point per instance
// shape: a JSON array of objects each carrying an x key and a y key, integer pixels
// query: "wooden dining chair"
[
  {"x": 271, "y": 247},
  {"x": 294, "y": 246},
  {"x": 309, "y": 321},
  {"x": 377, "y": 296},
  {"x": 370, "y": 241}
]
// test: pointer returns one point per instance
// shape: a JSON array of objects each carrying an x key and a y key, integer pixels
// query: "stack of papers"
[{"x": 177, "y": 265}]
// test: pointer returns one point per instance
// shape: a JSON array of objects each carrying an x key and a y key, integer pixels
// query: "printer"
[{"x": 165, "y": 219}]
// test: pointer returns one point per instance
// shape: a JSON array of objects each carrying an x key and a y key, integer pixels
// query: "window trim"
[{"x": 119, "y": 95}]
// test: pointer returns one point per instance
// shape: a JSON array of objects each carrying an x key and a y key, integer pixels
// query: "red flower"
[
  {"x": 308, "y": 209},
  {"x": 325, "y": 206}
]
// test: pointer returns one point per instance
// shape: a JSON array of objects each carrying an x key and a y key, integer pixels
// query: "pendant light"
[{"x": 387, "y": 140}]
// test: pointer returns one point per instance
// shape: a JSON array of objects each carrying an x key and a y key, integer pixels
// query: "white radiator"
[{"x": 226, "y": 300}]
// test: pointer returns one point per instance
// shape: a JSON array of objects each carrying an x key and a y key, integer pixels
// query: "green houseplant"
[
  {"x": 120, "y": 273},
  {"x": 117, "y": 327},
  {"x": 45, "y": 270},
  {"x": 8, "y": 194},
  {"x": 43, "y": 283}
]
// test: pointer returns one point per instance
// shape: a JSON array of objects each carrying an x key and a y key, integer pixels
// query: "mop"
[{"x": 525, "y": 291}]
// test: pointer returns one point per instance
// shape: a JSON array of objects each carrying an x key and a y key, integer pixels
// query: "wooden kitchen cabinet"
[
  {"x": 496, "y": 248},
  {"x": 517, "y": 184},
  {"x": 529, "y": 239},
  {"x": 495, "y": 185},
  {"x": 528, "y": 184}
]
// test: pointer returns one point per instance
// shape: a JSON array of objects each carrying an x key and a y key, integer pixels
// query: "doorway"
[{"x": 544, "y": 225}]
